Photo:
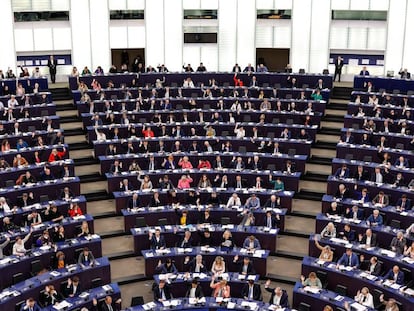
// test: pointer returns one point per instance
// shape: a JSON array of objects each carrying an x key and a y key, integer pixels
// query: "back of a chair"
[
  {"x": 137, "y": 301},
  {"x": 304, "y": 307}
]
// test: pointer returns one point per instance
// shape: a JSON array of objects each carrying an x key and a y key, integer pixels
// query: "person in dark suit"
[
  {"x": 372, "y": 265},
  {"x": 271, "y": 220},
  {"x": 342, "y": 172},
  {"x": 25, "y": 200},
  {"x": 348, "y": 138},
  {"x": 348, "y": 234},
  {"x": 236, "y": 68},
  {"x": 107, "y": 304},
  {"x": 72, "y": 288},
  {"x": 197, "y": 264},
  {"x": 52, "y": 63},
  {"x": 369, "y": 239},
  {"x": 395, "y": 275},
  {"x": 403, "y": 203},
  {"x": 124, "y": 185},
  {"x": 404, "y": 74},
  {"x": 167, "y": 267},
  {"x": 398, "y": 243},
  {"x": 342, "y": 192},
  {"x": 348, "y": 259},
  {"x": 245, "y": 266},
  {"x": 31, "y": 305},
  {"x": 251, "y": 291},
  {"x": 186, "y": 240},
  {"x": 361, "y": 174},
  {"x": 278, "y": 297},
  {"x": 195, "y": 291},
  {"x": 339, "y": 63},
  {"x": 134, "y": 201},
  {"x": 161, "y": 292},
  {"x": 157, "y": 241}
]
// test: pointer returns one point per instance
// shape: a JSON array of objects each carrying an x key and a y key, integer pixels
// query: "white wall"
[
  {"x": 7, "y": 51},
  {"x": 310, "y": 35}
]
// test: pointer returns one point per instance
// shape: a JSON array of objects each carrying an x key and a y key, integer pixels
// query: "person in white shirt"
[
  {"x": 188, "y": 82},
  {"x": 239, "y": 131},
  {"x": 100, "y": 136},
  {"x": 234, "y": 200},
  {"x": 18, "y": 247},
  {"x": 365, "y": 298},
  {"x": 4, "y": 206}
]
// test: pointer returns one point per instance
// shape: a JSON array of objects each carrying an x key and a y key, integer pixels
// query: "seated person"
[
  {"x": 329, "y": 231},
  {"x": 335, "y": 209},
  {"x": 234, "y": 200},
  {"x": 342, "y": 172},
  {"x": 363, "y": 196},
  {"x": 312, "y": 281},
  {"x": 347, "y": 234},
  {"x": 395, "y": 275},
  {"x": 227, "y": 240},
  {"x": 271, "y": 220},
  {"x": 248, "y": 218},
  {"x": 196, "y": 265},
  {"x": 372, "y": 266},
  {"x": 219, "y": 266},
  {"x": 31, "y": 305},
  {"x": 107, "y": 304},
  {"x": 342, "y": 193},
  {"x": 245, "y": 265},
  {"x": 348, "y": 259},
  {"x": 398, "y": 243},
  {"x": 403, "y": 203},
  {"x": 278, "y": 297},
  {"x": 375, "y": 219},
  {"x": 369, "y": 239},
  {"x": 167, "y": 267},
  {"x": 278, "y": 184},
  {"x": 195, "y": 291},
  {"x": 161, "y": 291},
  {"x": 364, "y": 298},
  {"x": 86, "y": 258},
  {"x": 251, "y": 291},
  {"x": 251, "y": 243},
  {"x": 157, "y": 241},
  {"x": 186, "y": 240},
  {"x": 326, "y": 252},
  {"x": 220, "y": 289},
  {"x": 354, "y": 213},
  {"x": 49, "y": 297},
  {"x": 253, "y": 202}
]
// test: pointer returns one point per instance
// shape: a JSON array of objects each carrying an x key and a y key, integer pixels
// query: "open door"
[{"x": 274, "y": 59}]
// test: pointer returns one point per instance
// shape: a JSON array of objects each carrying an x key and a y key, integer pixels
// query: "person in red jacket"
[
  {"x": 56, "y": 155},
  {"x": 147, "y": 132},
  {"x": 237, "y": 81}
]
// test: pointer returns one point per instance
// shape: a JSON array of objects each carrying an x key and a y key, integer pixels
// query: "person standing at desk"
[
  {"x": 251, "y": 291},
  {"x": 349, "y": 259},
  {"x": 52, "y": 63},
  {"x": 278, "y": 297},
  {"x": 157, "y": 241},
  {"x": 364, "y": 71},
  {"x": 339, "y": 63}
]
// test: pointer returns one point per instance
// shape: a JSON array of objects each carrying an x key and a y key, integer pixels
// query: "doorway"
[
  {"x": 120, "y": 56},
  {"x": 274, "y": 59}
]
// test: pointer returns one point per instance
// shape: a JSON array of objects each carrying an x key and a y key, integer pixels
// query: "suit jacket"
[
  {"x": 257, "y": 292},
  {"x": 192, "y": 265},
  {"x": 35, "y": 308},
  {"x": 398, "y": 245},
  {"x": 284, "y": 300},
  {"x": 274, "y": 221},
  {"x": 157, "y": 244},
  {"x": 82, "y": 258},
  {"x": 360, "y": 214},
  {"x": 400, "y": 277},
  {"x": 104, "y": 307},
  {"x": 373, "y": 239},
  {"x": 67, "y": 291},
  {"x": 250, "y": 268},
  {"x": 198, "y": 292},
  {"x": 52, "y": 65},
  {"x": 132, "y": 204},
  {"x": 407, "y": 203},
  {"x": 344, "y": 260},
  {"x": 130, "y": 187},
  {"x": 339, "y": 65},
  {"x": 157, "y": 293}
]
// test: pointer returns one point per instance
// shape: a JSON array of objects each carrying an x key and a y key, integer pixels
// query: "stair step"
[
  {"x": 338, "y": 106},
  {"x": 313, "y": 176},
  {"x": 97, "y": 196},
  {"x": 91, "y": 178},
  {"x": 320, "y": 160},
  {"x": 103, "y": 215},
  {"x": 69, "y": 119},
  {"x": 333, "y": 118},
  {"x": 324, "y": 145},
  {"x": 72, "y": 132},
  {"x": 281, "y": 278},
  {"x": 86, "y": 161},
  {"x": 63, "y": 107},
  {"x": 290, "y": 255},
  {"x": 79, "y": 146},
  {"x": 309, "y": 195},
  {"x": 330, "y": 131},
  {"x": 130, "y": 279},
  {"x": 112, "y": 234}
]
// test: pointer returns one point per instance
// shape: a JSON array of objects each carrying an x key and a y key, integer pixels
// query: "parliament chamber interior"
[{"x": 206, "y": 155}]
